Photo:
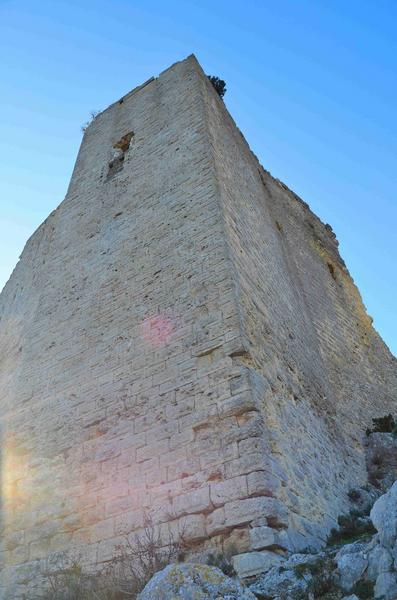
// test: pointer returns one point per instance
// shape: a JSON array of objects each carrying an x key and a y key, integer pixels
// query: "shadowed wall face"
[
  {"x": 174, "y": 341},
  {"x": 318, "y": 370}
]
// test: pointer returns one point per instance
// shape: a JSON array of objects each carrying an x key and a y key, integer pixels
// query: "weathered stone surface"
[
  {"x": 289, "y": 582},
  {"x": 363, "y": 499},
  {"x": 193, "y": 581},
  {"x": 379, "y": 561},
  {"x": 249, "y": 564},
  {"x": 351, "y": 567},
  {"x": 171, "y": 342},
  {"x": 384, "y": 517},
  {"x": 386, "y": 586},
  {"x": 262, "y": 537},
  {"x": 381, "y": 456}
]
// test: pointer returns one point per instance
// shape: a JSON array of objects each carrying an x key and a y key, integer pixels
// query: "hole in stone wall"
[
  {"x": 116, "y": 163},
  {"x": 124, "y": 143},
  {"x": 331, "y": 269},
  {"x": 279, "y": 226}
]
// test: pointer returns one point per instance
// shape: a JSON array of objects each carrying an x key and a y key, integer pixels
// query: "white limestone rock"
[
  {"x": 250, "y": 564},
  {"x": 386, "y": 586},
  {"x": 289, "y": 580},
  {"x": 384, "y": 517},
  {"x": 379, "y": 561},
  {"x": 352, "y": 562},
  {"x": 263, "y": 537},
  {"x": 193, "y": 582}
]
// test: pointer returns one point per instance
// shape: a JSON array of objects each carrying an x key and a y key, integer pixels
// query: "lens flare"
[{"x": 158, "y": 330}]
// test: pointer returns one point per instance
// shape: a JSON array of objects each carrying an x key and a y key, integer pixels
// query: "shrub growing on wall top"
[{"x": 218, "y": 84}]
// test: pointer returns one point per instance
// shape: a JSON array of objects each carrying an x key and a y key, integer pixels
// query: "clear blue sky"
[{"x": 311, "y": 83}]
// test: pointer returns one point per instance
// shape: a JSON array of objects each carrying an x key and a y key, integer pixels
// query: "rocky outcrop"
[
  {"x": 194, "y": 582},
  {"x": 362, "y": 569},
  {"x": 384, "y": 553},
  {"x": 300, "y": 576}
]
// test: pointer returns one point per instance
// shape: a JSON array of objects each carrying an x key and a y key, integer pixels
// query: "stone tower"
[{"x": 180, "y": 337}]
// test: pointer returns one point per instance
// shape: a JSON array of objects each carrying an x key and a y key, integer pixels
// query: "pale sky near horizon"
[{"x": 311, "y": 83}]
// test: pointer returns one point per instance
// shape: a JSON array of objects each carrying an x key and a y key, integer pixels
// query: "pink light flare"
[{"x": 157, "y": 330}]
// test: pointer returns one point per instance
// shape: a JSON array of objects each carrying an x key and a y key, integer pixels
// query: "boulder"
[
  {"x": 190, "y": 581},
  {"x": 281, "y": 584},
  {"x": 379, "y": 561},
  {"x": 352, "y": 563},
  {"x": 384, "y": 517},
  {"x": 292, "y": 579},
  {"x": 250, "y": 564},
  {"x": 386, "y": 586}
]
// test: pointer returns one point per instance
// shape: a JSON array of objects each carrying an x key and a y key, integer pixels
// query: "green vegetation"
[
  {"x": 320, "y": 571},
  {"x": 93, "y": 115},
  {"x": 352, "y": 527},
  {"x": 364, "y": 589},
  {"x": 386, "y": 424},
  {"x": 222, "y": 562},
  {"x": 219, "y": 85}
]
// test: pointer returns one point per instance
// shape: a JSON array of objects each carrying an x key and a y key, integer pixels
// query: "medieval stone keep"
[{"x": 182, "y": 339}]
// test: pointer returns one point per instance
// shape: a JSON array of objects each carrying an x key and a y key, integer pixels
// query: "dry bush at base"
[{"x": 122, "y": 578}]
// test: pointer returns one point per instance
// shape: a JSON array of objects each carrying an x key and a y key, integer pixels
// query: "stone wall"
[
  {"x": 318, "y": 370},
  {"x": 179, "y": 338}
]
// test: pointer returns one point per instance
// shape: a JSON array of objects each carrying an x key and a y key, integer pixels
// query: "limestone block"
[
  {"x": 237, "y": 405},
  {"x": 61, "y": 541},
  {"x": 103, "y": 530},
  {"x": 255, "y": 510},
  {"x": 294, "y": 541},
  {"x": 237, "y": 539},
  {"x": 195, "y": 501},
  {"x": 231, "y": 489},
  {"x": 250, "y": 564},
  {"x": 193, "y": 528},
  {"x": 215, "y": 522},
  {"x": 262, "y": 483},
  {"x": 263, "y": 537},
  {"x": 244, "y": 511},
  {"x": 245, "y": 464},
  {"x": 120, "y": 505},
  {"x": 127, "y": 522},
  {"x": 108, "y": 549}
]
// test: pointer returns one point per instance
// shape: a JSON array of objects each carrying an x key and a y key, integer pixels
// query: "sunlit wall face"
[
  {"x": 118, "y": 284},
  {"x": 14, "y": 474}
]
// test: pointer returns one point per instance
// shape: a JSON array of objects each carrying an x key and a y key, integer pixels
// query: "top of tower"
[{"x": 189, "y": 59}]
